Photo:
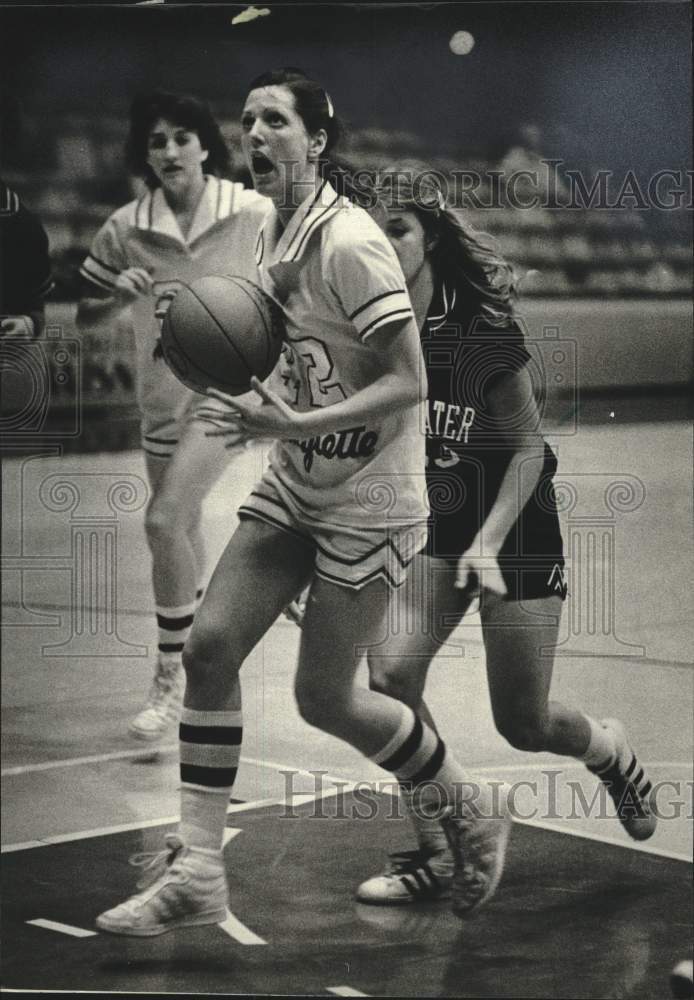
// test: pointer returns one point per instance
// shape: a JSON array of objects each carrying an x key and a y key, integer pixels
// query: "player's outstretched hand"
[
  {"x": 240, "y": 421},
  {"x": 131, "y": 283},
  {"x": 476, "y": 572}
]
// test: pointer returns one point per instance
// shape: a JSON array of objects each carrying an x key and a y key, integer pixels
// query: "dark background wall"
[
  {"x": 599, "y": 86},
  {"x": 609, "y": 82}
]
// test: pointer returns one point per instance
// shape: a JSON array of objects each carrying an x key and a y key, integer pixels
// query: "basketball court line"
[
  {"x": 644, "y": 661},
  {"x": 8, "y": 772},
  {"x": 54, "y": 925},
  {"x": 147, "y": 824},
  {"x": 630, "y": 845},
  {"x": 340, "y": 785},
  {"x": 345, "y": 991},
  {"x": 239, "y": 932}
]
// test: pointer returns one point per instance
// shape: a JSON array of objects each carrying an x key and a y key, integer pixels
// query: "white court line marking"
[
  {"x": 630, "y": 845},
  {"x": 142, "y": 824},
  {"x": 566, "y": 764},
  {"x": 345, "y": 991},
  {"x": 147, "y": 824},
  {"x": 145, "y": 751},
  {"x": 238, "y": 931},
  {"x": 232, "y": 925},
  {"x": 53, "y": 925},
  {"x": 51, "y": 765},
  {"x": 346, "y": 786}
]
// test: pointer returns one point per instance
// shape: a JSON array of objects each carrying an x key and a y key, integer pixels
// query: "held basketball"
[{"x": 220, "y": 331}]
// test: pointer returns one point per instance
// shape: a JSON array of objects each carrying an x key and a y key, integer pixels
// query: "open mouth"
[
  {"x": 261, "y": 164},
  {"x": 173, "y": 169}
]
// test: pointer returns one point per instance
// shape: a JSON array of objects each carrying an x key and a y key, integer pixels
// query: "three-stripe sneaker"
[
  {"x": 182, "y": 887},
  {"x": 164, "y": 703},
  {"x": 410, "y": 877},
  {"x": 628, "y": 785},
  {"x": 478, "y": 845}
]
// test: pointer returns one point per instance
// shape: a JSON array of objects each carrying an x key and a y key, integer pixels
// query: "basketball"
[{"x": 219, "y": 331}]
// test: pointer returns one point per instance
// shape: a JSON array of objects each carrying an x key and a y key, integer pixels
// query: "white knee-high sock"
[{"x": 210, "y": 746}]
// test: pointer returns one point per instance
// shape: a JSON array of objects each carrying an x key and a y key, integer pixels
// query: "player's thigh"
[
  {"x": 519, "y": 640},
  {"x": 339, "y": 626},
  {"x": 421, "y": 616},
  {"x": 155, "y": 466},
  {"x": 260, "y": 571}
]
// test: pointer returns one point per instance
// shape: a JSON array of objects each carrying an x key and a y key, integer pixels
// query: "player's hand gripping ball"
[{"x": 220, "y": 331}]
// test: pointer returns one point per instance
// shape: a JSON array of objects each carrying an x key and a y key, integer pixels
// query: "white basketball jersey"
[
  {"x": 145, "y": 233},
  {"x": 340, "y": 283}
]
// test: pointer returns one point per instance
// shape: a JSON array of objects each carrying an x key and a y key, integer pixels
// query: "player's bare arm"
[
  {"x": 130, "y": 284},
  {"x": 400, "y": 382}
]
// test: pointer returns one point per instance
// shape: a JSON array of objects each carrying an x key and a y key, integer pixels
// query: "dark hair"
[
  {"x": 315, "y": 108},
  {"x": 458, "y": 251},
  {"x": 179, "y": 109}
]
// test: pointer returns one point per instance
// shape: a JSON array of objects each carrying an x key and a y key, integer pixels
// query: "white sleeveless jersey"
[
  {"x": 340, "y": 283},
  {"x": 145, "y": 233}
]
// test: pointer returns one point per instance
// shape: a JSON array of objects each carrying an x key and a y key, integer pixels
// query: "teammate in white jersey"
[
  {"x": 190, "y": 223},
  {"x": 342, "y": 508}
]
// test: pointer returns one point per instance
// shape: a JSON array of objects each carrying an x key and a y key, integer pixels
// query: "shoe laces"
[{"x": 155, "y": 863}]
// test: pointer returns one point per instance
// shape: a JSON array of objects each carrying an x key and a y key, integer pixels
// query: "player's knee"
[
  {"x": 403, "y": 685},
  {"x": 524, "y": 733},
  {"x": 166, "y": 520},
  {"x": 209, "y": 652}
]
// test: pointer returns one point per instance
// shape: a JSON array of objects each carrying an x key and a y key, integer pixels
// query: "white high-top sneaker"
[
  {"x": 183, "y": 887},
  {"x": 164, "y": 703}
]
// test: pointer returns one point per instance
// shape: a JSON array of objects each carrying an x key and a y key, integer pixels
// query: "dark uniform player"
[
  {"x": 25, "y": 268},
  {"x": 468, "y": 457},
  {"x": 494, "y": 532}
]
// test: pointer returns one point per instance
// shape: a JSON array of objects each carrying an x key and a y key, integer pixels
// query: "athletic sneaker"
[
  {"x": 182, "y": 887},
  {"x": 478, "y": 845},
  {"x": 410, "y": 877},
  {"x": 628, "y": 786},
  {"x": 164, "y": 703}
]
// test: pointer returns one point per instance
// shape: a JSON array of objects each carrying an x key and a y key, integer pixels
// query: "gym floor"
[{"x": 582, "y": 911}]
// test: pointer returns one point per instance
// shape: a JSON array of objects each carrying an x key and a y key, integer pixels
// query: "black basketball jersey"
[
  {"x": 467, "y": 454},
  {"x": 25, "y": 269}
]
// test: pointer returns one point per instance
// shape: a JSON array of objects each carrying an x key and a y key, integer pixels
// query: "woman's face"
[
  {"x": 408, "y": 239},
  {"x": 175, "y": 155},
  {"x": 276, "y": 145}
]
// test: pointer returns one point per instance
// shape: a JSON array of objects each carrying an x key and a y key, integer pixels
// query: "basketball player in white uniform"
[
  {"x": 189, "y": 223},
  {"x": 342, "y": 507}
]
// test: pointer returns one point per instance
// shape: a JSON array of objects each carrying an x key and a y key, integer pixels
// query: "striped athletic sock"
[
  {"x": 601, "y": 751},
  {"x": 174, "y": 625},
  {"x": 210, "y": 745},
  {"x": 425, "y": 770}
]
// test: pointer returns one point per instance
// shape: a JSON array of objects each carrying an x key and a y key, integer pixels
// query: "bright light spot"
[
  {"x": 612, "y": 414},
  {"x": 250, "y": 14},
  {"x": 461, "y": 43}
]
